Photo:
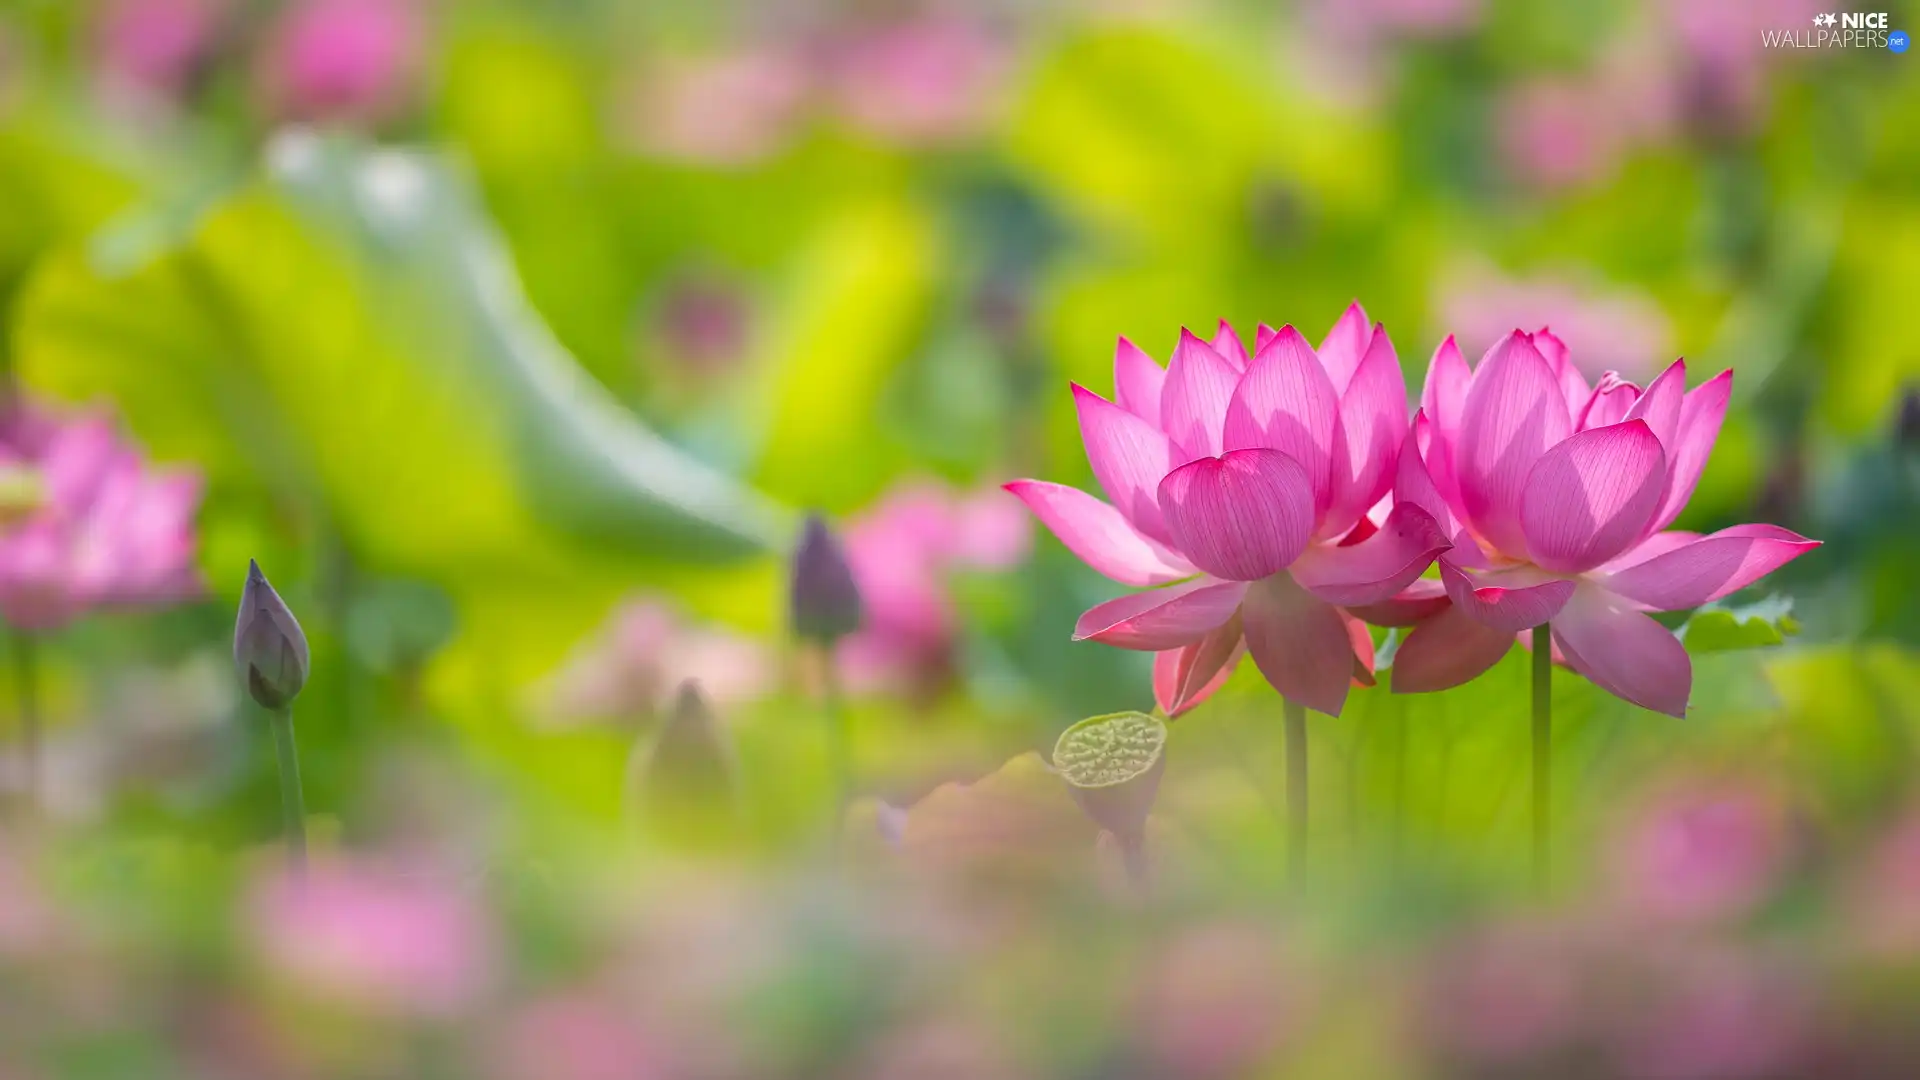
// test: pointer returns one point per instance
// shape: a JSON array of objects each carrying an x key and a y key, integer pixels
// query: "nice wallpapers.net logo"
[{"x": 1844, "y": 30}]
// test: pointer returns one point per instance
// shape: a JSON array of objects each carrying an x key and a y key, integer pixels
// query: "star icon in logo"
[{"x": 1824, "y": 20}]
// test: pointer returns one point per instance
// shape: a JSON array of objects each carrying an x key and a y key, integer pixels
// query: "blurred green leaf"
[
  {"x": 1719, "y": 628},
  {"x": 349, "y": 327}
]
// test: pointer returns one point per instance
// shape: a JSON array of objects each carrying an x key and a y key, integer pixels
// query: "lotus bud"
[
  {"x": 1112, "y": 766},
  {"x": 825, "y": 601},
  {"x": 1906, "y": 430},
  {"x": 685, "y": 771},
  {"x": 269, "y": 649}
]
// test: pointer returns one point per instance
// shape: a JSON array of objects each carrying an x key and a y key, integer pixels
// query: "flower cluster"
[{"x": 1270, "y": 502}]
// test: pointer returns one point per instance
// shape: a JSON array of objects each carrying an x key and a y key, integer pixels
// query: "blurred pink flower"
[
  {"x": 1720, "y": 67},
  {"x": 1699, "y": 851},
  {"x": 731, "y": 108},
  {"x": 935, "y": 79},
  {"x": 644, "y": 654},
  {"x": 367, "y": 934},
  {"x": 1883, "y": 898},
  {"x": 86, "y": 524},
  {"x": 149, "y": 50},
  {"x": 1247, "y": 481},
  {"x": 1711, "y": 1013},
  {"x": 1604, "y": 329},
  {"x": 1510, "y": 995},
  {"x": 575, "y": 1035},
  {"x": 352, "y": 61},
  {"x": 1216, "y": 1001},
  {"x": 903, "y": 552},
  {"x": 701, "y": 325},
  {"x": 1552, "y": 135},
  {"x": 1556, "y": 494}
]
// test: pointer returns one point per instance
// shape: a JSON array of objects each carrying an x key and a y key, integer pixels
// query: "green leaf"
[
  {"x": 1719, "y": 628},
  {"x": 346, "y": 330}
]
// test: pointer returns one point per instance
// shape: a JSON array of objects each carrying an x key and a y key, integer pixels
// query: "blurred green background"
[{"x": 513, "y": 339}]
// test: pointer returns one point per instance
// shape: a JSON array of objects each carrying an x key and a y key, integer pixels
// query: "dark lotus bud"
[
  {"x": 269, "y": 650},
  {"x": 825, "y": 601},
  {"x": 1112, "y": 765},
  {"x": 1906, "y": 431}
]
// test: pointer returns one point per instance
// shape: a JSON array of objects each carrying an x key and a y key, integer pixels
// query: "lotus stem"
[
  {"x": 26, "y": 686},
  {"x": 839, "y": 735},
  {"x": 1542, "y": 752},
  {"x": 1296, "y": 790},
  {"x": 293, "y": 806}
]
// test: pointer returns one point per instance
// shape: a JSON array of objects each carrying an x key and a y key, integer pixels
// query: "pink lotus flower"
[
  {"x": 927, "y": 81},
  {"x": 902, "y": 553},
  {"x": 363, "y": 933},
  {"x": 1556, "y": 495},
  {"x": 1700, "y": 852},
  {"x": 149, "y": 50},
  {"x": 732, "y": 109},
  {"x": 644, "y": 655},
  {"x": 87, "y": 524},
  {"x": 346, "y": 60},
  {"x": 1242, "y": 485}
]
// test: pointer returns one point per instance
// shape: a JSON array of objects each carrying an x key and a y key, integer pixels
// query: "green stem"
[
  {"x": 26, "y": 685},
  {"x": 1296, "y": 790},
  {"x": 1542, "y": 750},
  {"x": 839, "y": 736},
  {"x": 293, "y": 806}
]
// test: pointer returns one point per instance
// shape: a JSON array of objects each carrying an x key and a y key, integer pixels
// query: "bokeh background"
[{"x": 512, "y": 339}]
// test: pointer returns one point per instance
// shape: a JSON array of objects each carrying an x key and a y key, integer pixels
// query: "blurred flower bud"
[
  {"x": 1906, "y": 429},
  {"x": 685, "y": 774},
  {"x": 269, "y": 650},
  {"x": 825, "y": 602},
  {"x": 1112, "y": 765}
]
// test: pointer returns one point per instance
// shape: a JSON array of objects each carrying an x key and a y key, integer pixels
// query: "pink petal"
[
  {"x": 1137, "y": 380},
  {"x": 1262, "y": 337},
  {"x": 1612, "y": 398},
  {"x": 1193, "y": 405},
  {"x": 1240, "y": 517},
  {"x": 1285, "y": 402},
  {"x": 1376, "y": 569},
  {"x": 1700, "y": 417},
  {"x": 1624, "y": 652},
  {"x": 1511, "y": 601},
  {"x": 1160, "y": 619},
  {"x": 1514, "y": 412},
  {"x": 1592, "y": 496},
  {"x": 1373, "y": 421},
  {"x": 1710, "y": 567},
  {"x": 1100, "y": 535},
  {"x": 1227, "y": 343},
  {"x": 1660, "y": 404},
  {"x": 1657, "y": 544},
  {"x": 1446, "y": 651},
  {"x": 1299, "y": 643},
  {"x": 1129, "y": 457},
  {"x": 1414, "y": 484},
  {"x": 1187, "y": 676},
  {"x": 1361, "y": 638},
  {"x": 1346, "y": 345},
  {"x": 1419, "y": 601},
  {"x": 1444, "y": 398},
  {"x": 1573, "y": 385}
]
